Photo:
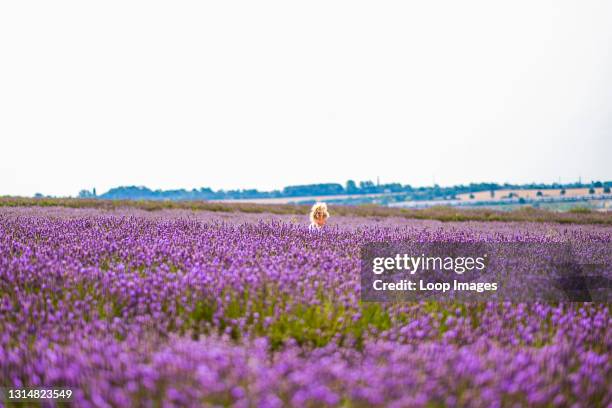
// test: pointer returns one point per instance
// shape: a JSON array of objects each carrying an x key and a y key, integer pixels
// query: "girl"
[{"x": 318, "y": 216}]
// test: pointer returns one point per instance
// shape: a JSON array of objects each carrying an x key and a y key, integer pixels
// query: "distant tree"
[
  {"x": 522, "y": 200},
  {"x": 85, "y": 194},
  {"x": 351, "y": 187},
  {"x": 313, "y": 189},
  {"x": 562, "y": 192},
  {"x": 38, "y": 195},
  {"x": 539, "y": 194},
  {"x": 492, "y": 193},
  {"x": 591, "y": 190},
  {"x": 391, "y": 187},
  {"x": 366, "y": 185},
  {"x": 471, "y": 196},
  {"x": 597, "y": 184},
  {"x": 606, "y": 190},
  {"x": 133, "y": 193}
]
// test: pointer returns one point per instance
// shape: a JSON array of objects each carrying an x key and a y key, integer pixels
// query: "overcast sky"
[{"x": 261, "y": 94}]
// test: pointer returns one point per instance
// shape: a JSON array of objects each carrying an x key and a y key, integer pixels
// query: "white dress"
[{"x": 313, "y": 227}]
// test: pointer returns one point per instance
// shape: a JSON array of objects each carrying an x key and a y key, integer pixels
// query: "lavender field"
[{"x": 194, "y": 308}]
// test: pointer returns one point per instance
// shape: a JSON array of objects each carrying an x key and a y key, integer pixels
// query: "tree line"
[{"x": 403, "y": 191}]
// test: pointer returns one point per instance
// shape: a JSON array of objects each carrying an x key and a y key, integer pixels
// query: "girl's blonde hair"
[{"x": 318, "y": 208}]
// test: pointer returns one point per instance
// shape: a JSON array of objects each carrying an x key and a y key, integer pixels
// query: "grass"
[
  {"x": 441, "y": 213},
  {"x": 580, "y": 210}
]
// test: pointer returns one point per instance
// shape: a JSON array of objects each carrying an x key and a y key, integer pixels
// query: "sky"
[{"x": 263, "y": 94}]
